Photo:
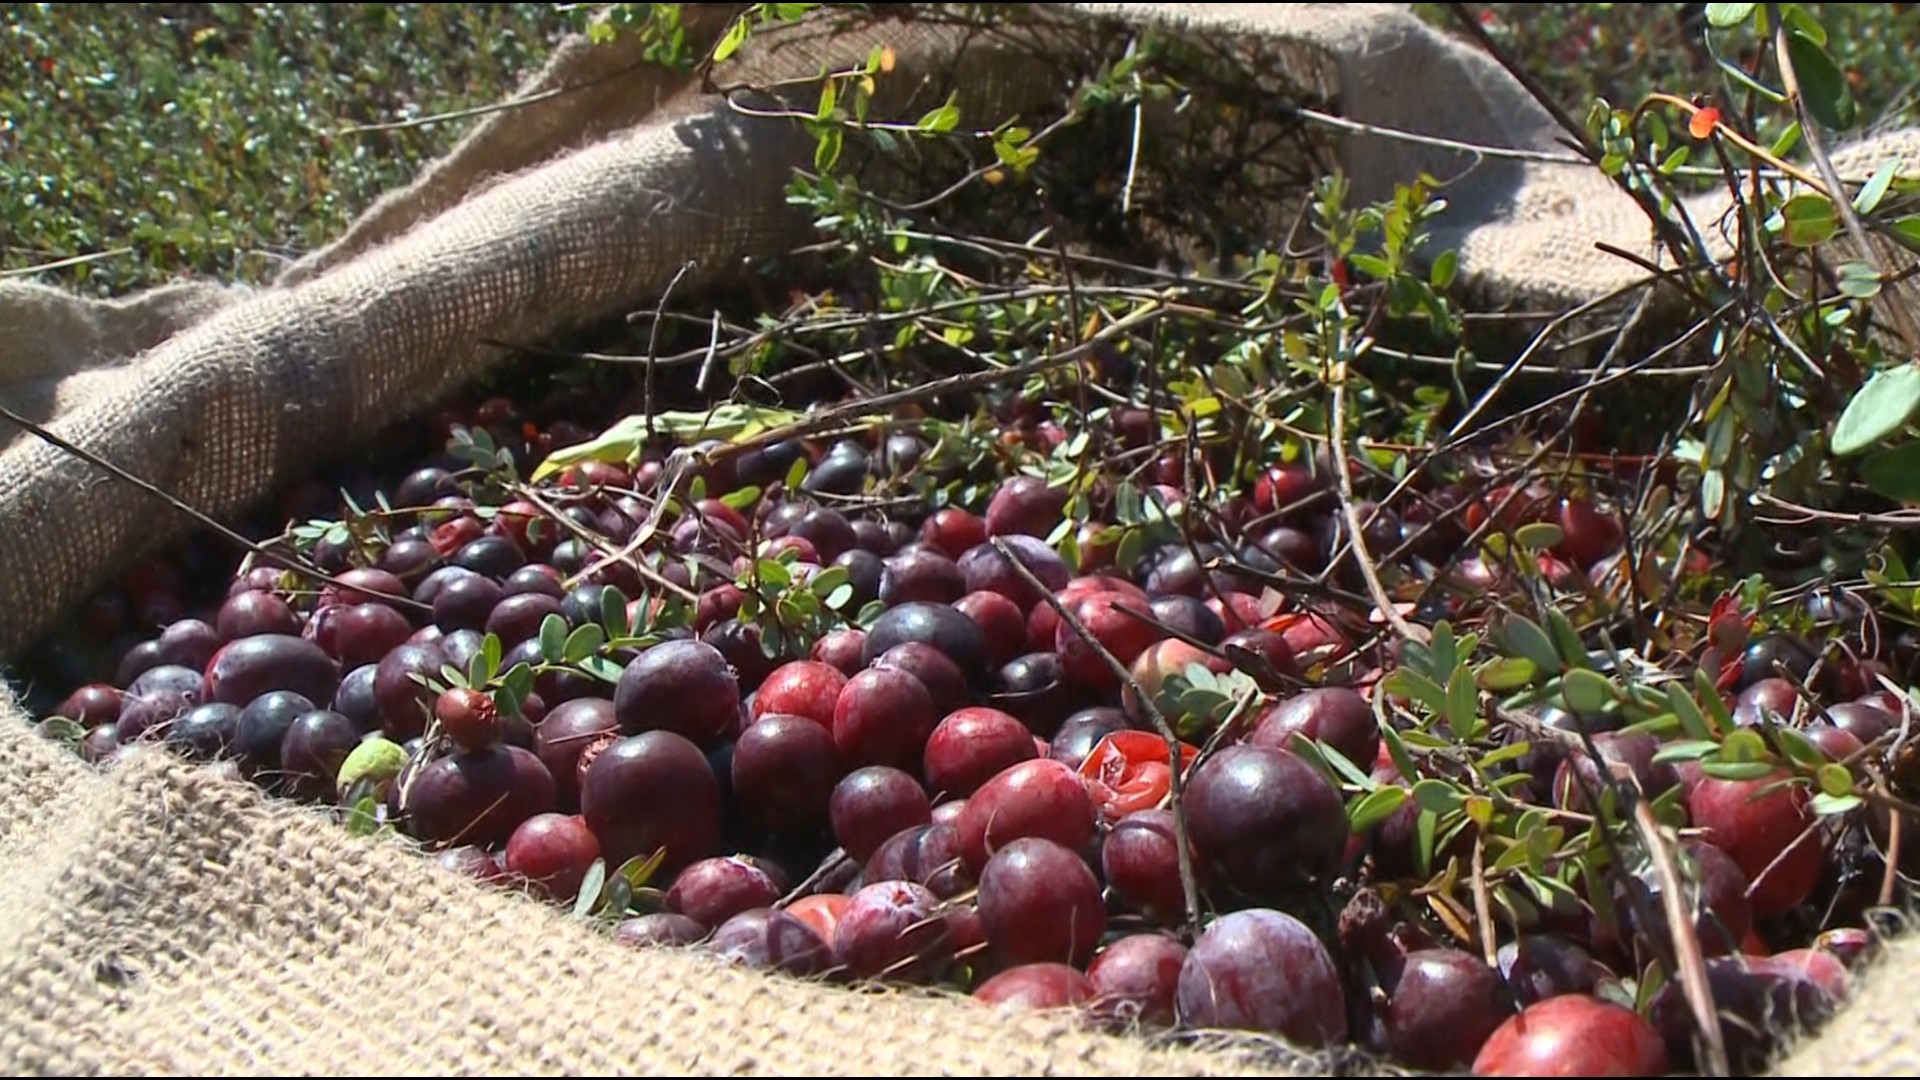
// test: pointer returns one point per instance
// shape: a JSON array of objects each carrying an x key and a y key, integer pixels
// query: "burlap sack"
[{"x": 159, "y": 921}]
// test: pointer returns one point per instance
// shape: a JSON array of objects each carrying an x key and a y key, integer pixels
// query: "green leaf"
[
  {"x": 1722, "y": 16},
  {"x": 582, "y": 643},
  {"x": 1716, "y": 706},
  {"x": 735, "y": 37},
  {"x": 453, "y": 675},
  {"x": 1664, "y": 724},
  {"x": 1524, "y": 636},
  {"x": 1513, "y": 858},
  {"x": 617, "y": 897},
  {"x": 1745, "y": 745},
  {"x": 1686, "y": 750},
  {"x": 944, "y": 118},
  {"x": 1374, "y": 807},
  {"x": 1504, "y": 754},
  {"x": 797, "y": 473},
  {"x": 838, "y": 598},
  {"x": 1894, "y": 473},
  {"x": 1538, "y": 535},
  {"x": 1879, "y": 409},
  {"x": 730, "y": 421},
  {"x": 1339, "y": 763},
  {"x": 508, "y": 701},
  {"x": 829, "y": 97},
  {"x": 1423, "y": 829},
  {"x": 591, "y": 887},
  {"x": 364, "y": 817},
  {"x": 1463, "y": 704},
  {"x": 518, "y": 681},
  {"x": 1858, "y": 281},
  {"x": 774, "y": 574},
  {"x": 1876, "y": 187},
  {"x": 1823, "y": 86},
  {"x": 1504, "y": 673},
  {"x": 640, "y": 869},
  {"x": 741, "y": 498},
  {"x": 1825, "y": 805},
  {"x": 613, "y": 613},
  {"x": 553, "y": 639},
  {"x": 490, "y": 658},
  {"x": 1567, "y": 639},
  {"x": 1418, "y": 656},
  {"x": 1445, "y": 266},
  {"x": 1444, "y": 654},
  {"x": 1585, "y": 692},
  {"x": 601, "y": 668},
  {"x": 1397, "y": 752},
  {"x": 1371, "y": 265},
  {"x": 1809, "y": 220},
  {"x": 1309, "y": 751},
  {"x": 1737, "y": 770},
  {"x": 1907, "y": 230},
  {"x": 826, "y": 153},
  {"x": 1132, "y": 545},
  {"x": 1799, "y": 749},
  {"x": 1437, "y": 796},
  {"x": 1835, "y": 780},
  {"x": 1692, "y": 721},
  {"x": 1411, "y": 684},
  {"x": 1796, "y": 15}
]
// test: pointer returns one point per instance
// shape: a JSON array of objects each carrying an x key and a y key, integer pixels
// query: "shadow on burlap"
[{"x": 159, "y": 921}]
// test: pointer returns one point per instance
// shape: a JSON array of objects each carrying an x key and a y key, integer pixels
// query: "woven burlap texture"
[
  {"x": 158, "y": 921},
  {"x": 164, "y": 921}
]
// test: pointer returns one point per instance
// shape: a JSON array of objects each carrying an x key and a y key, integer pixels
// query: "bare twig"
[
  {"x": 602, "y": 544},
  {"x": 1482, "y": 905},
  {"x": 1355, "y": 527},
  {"x": 653, "y": 342},
  {"x": 290, "y": 562},
  {"x": 1189, "y": 885},
  {"x": 834, "y": 861},
  {"x": 71, "y": 260},
  {"x": 1686, "y": 944},
  {"x": 1890, "y": 875}
]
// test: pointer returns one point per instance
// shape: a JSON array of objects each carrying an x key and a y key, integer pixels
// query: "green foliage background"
[{"x": 217, "y": 139}]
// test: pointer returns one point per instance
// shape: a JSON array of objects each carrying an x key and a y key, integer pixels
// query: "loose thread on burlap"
[{"x": 289, "y": 562}]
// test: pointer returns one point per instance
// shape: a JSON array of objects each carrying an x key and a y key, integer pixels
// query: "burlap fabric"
[{"x": 156, "y": 920}]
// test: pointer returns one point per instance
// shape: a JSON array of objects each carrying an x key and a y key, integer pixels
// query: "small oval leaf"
[
  {"x": 1585, "y": 692},
  {"x": 1823, "y": 86},
  {"x": 1437, "y": 796},
  {"x": 1737, "y": 770},
  {"x": 1835, "y": 780},
  {"x": 1722, "y": 16},
  {"x": 1375, "y": 807},
  {"x": 1539, "y": 535}
]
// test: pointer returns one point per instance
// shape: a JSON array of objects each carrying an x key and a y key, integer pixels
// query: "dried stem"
[
  {"x": 1482, "y": 904},
  {"x": 601, "y": 543},
  {"x": 1355, "y": 528},
  {"x": 1890, "y": 874},
  {"x": 1189, "y": 885},
  {"x": 653, "y": 343},
  {"x": 1686, "y": 944},
  {"x": 834, "y": 860}
]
